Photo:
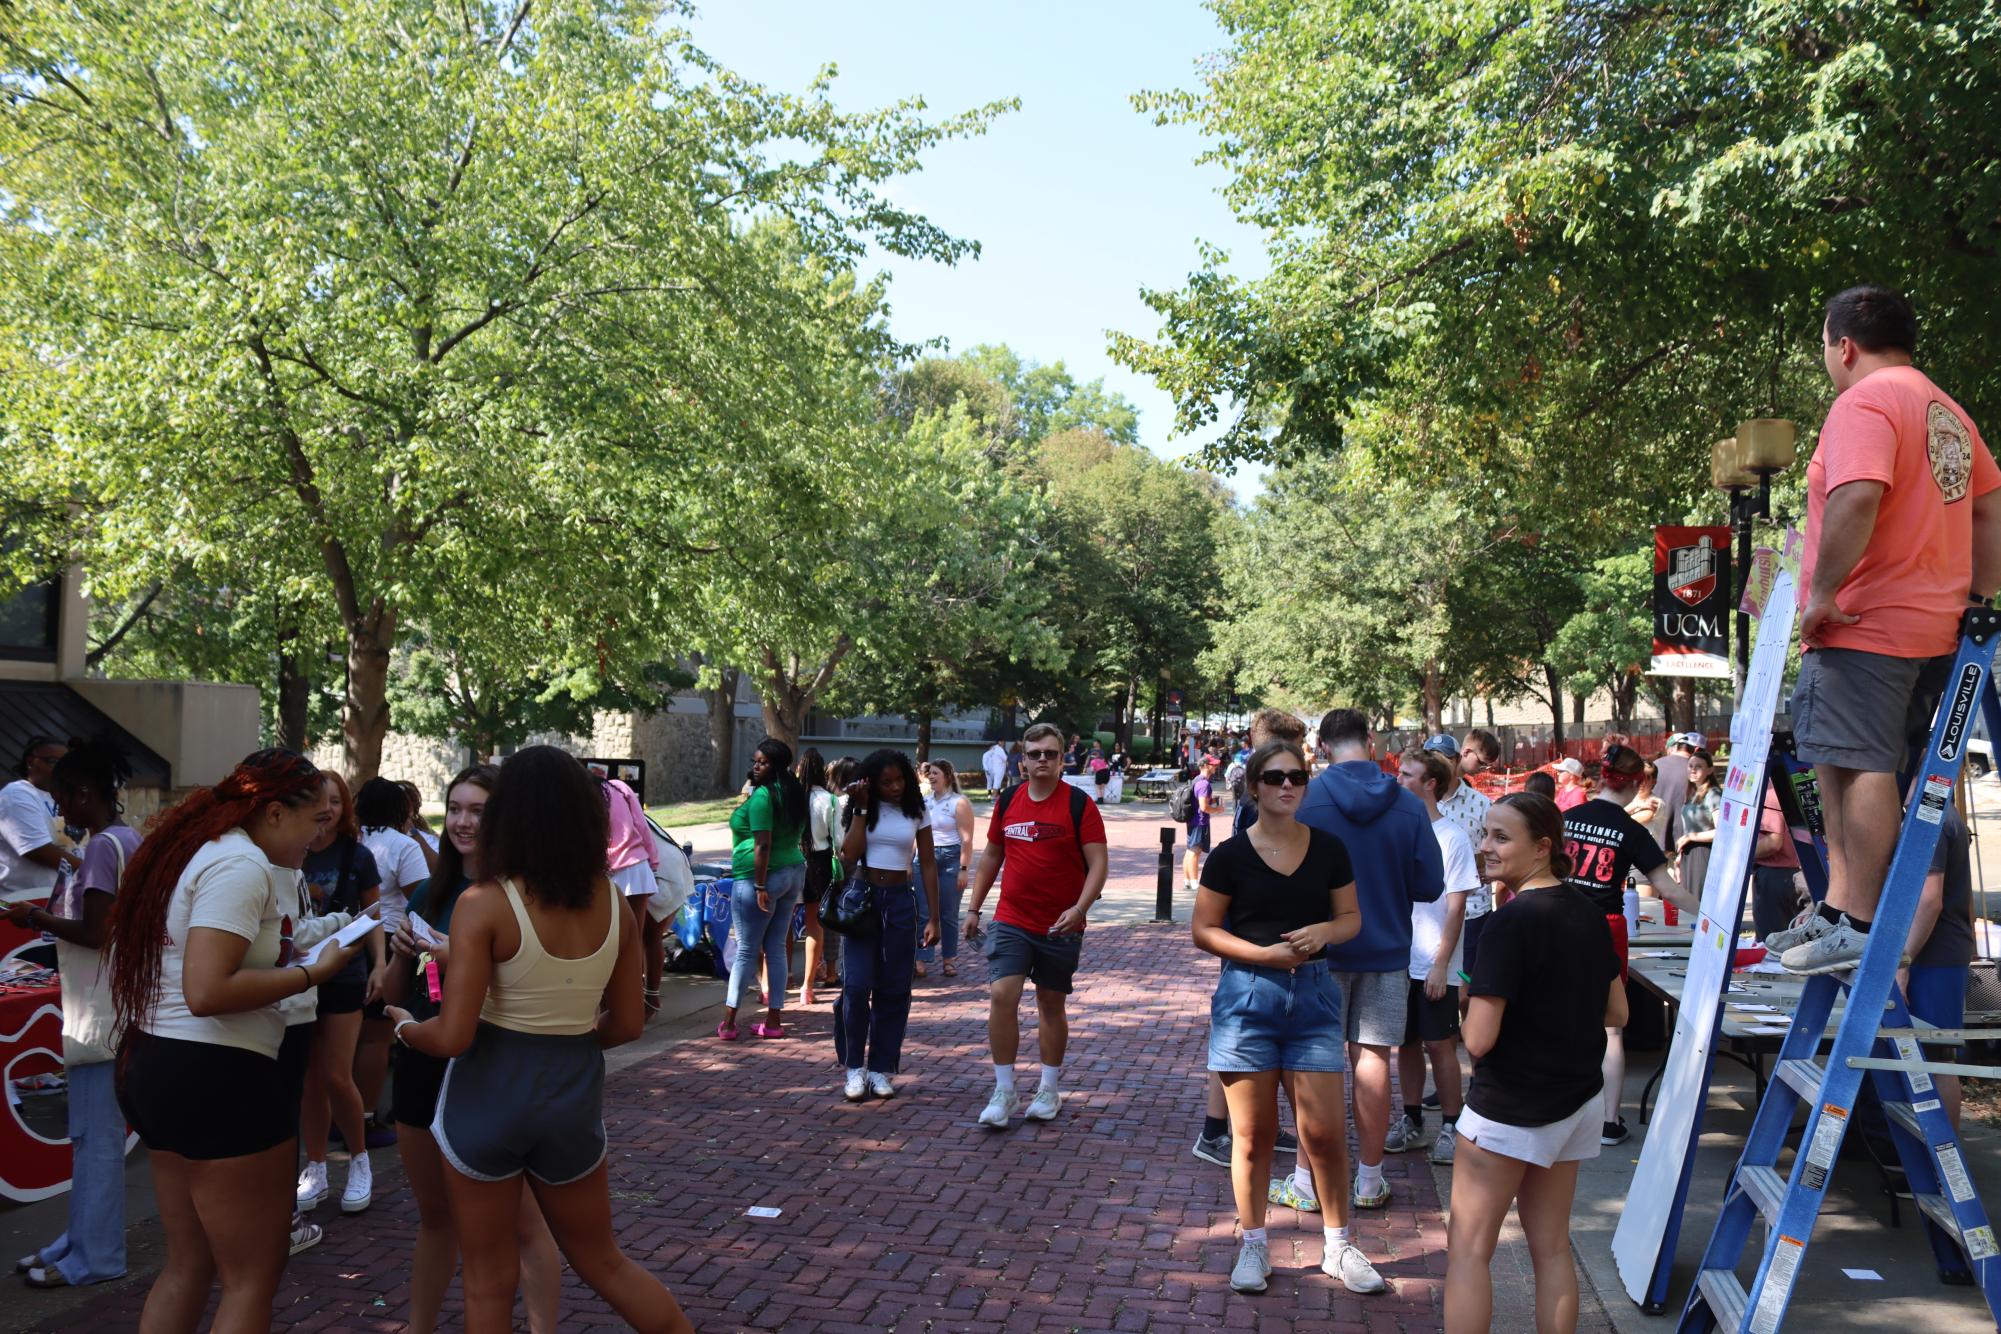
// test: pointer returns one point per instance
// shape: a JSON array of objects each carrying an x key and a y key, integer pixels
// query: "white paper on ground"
[
  {"x": 1754, "y": 1009},
  {"x": 1766, "y": 966},
  {"x": 1865, "y": 1275},
  {"x": 763, "y": 1211},
  {"x": 1769, "y": 1030},
  {"x": 344, "y": 937}
]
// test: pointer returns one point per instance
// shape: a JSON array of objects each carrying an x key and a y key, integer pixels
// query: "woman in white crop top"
[
  {"x": 887, "y": 832},
  {"x": 951, "y": 819},
  {"x": 545, "y": 974}
]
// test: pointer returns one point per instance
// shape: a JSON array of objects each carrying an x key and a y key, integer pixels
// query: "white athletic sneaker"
[
  {"x": 1354, "y": 1270},
  {"x": 857, "y": 1086},
  {"x": 1253, "y": 1267},
  {"x": 1809, "y": 925},
  {"x": 1000, "y": 1109},
  {"x": 1838, "y": 947},
  {"x": 880, "y": 1085},
  {"x": 1042, "y": 1107},
  {"x": 312, "y": 1187},
  {"x": 1402, "y": 1136},
  {"x": 360, "y": 1191}
]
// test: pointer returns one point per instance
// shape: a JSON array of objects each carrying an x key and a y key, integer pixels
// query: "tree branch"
[{"x": 96, "y": 655}]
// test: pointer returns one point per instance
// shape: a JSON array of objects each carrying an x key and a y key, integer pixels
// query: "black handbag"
[{"x": 851, "y": 909}]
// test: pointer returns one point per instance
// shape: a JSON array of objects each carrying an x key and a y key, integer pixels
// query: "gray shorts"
[
  {"x": 1375, "y": 1006},
  {"x": 1865, "y": 711},
  {"x": 523, "y": 1102},
  {"x": 1048, "y": 961}
]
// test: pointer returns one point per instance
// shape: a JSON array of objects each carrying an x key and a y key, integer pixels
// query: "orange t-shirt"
[{"x": 1896, "y": 427}]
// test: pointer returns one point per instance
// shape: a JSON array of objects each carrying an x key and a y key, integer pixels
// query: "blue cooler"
[{"x": 716, "y": 918}]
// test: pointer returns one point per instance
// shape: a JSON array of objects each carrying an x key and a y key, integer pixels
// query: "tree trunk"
[
  {"x": 1434, "y": 699},
  {"x": 786, "y": 694},
  {"x": 1128, "y": 712},
  {"x": 721, "y": 700},
  {"x": 924, "y": 736},
  {"x": 365, "y": 711},
  {"x": 1624, "y": 695},
  {"x": 1555, "y": 684},
  {"x": 295, "y": 692},
  {"x": 1577, "y": 703},
  {"x": 1684, "y": 704}
]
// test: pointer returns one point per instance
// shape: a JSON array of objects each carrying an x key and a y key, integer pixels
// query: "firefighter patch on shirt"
[{"x": 1950, "y": 450}]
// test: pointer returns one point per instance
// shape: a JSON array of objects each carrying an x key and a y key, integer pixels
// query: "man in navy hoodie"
[{"x": 1397, "y": 863}]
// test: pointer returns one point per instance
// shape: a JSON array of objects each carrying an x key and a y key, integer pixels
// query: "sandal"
[
  {"x": 651, "y": 996},
  {"x": 769, "y": 1030},
  {"x": 951, "y": 969},
  {"x": 922, "y": 971},
  {"x": 45, "y": 1276},
  {"x": 27, "y": 1262},
  {"x": 726, "y": 1031}
]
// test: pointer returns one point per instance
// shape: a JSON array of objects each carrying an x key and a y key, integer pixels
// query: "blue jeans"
[
  {"x": 766, "y": 934},
  {"x": 93, "y": 1248},
  {"x": 950, "y": 893},
  {"x": 876, "y": 976}
]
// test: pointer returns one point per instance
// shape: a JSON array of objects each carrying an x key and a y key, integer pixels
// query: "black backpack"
[
  {"x": 1077, "y": 800},
  {"x": 1181, "y": 801}
]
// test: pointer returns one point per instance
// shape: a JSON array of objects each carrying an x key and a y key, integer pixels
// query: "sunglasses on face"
[
  {"x": 1040, "y": 754},
  {"x": 1280, "y": 777}
]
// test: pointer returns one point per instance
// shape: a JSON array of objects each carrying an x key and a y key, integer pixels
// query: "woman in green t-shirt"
[{"x": 769, "y": 869}]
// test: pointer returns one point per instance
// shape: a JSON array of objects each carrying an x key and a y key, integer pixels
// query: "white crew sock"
[
  {"x": 1302, "y": 1181},
  {"x": 1337, "y": 1237},
  {"x": 1050, "y": 1074},
  {"x": 1368, "y": 1180},
  {"x": 1004, "y": 1078},
  {"x": 1254, "y": 1234}
]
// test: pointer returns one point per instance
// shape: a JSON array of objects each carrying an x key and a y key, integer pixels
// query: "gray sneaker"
[
  {"x": 1253, "y": 1267},
  {"x": 1353, "y": 1269},
  {"x": 1838, "y": 948},
  {"x": 1442, "y": 1147},
  {"x": 1213, "y": 1148},
  {"x": 1042, "y": 1107},
  {"x": 1403, "y": 1135},
  {"x": 999, "y": 1109},
  {"x": 1809, "y": 925}
]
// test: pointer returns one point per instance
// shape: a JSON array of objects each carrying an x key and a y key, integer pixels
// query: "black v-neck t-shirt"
[{"x": 1264, "y": 905}]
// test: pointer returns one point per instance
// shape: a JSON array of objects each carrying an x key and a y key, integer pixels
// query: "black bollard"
[{"x": 1163, "y": 892}]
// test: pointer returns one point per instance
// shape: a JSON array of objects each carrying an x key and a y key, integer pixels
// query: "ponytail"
[{"x": 1544, "y": 822}]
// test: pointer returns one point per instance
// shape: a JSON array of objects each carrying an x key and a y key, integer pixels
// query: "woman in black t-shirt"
[
  {"x": 1544, "y": 989},
  {"x": 1272, "y": 899}
]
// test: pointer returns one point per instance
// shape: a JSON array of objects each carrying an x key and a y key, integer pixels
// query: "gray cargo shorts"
[{"x": 1867, "y": 711}]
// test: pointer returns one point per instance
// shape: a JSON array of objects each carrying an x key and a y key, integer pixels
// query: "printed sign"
[{"x": 1692, "y": 601}]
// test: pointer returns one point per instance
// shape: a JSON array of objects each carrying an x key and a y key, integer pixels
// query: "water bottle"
[{"x": 1632, "y": 912}]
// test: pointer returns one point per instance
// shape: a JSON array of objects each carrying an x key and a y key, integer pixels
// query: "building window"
[{"x": 28, "y": 622}]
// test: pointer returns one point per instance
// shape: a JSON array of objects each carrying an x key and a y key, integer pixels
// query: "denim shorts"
[{"x": 1274, "y": 1019}]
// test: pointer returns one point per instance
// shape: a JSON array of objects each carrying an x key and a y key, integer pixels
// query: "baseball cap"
[
  {"x": 1444, "y": 743},
  {"x": 1695, "y": 739},
  {"x": 1572, "y": 766}
]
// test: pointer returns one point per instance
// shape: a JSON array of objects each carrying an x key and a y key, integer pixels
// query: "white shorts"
[
  {"x": 1572, "y": 1139},
  {"x": 634, "y": 881}
]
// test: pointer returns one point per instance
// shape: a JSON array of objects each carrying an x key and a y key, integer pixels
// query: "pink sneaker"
[
  {"x": 769, "y": 1030},
  {"x": 726, "y": 1031}
]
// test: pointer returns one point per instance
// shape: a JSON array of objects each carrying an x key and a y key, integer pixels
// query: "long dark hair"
[
  {"x": 451, "y": 863},
  {"x": 1544, "y": 820},
  {"x": 546, "y": 826},
  {"x": 878, "y": 763},
  {"x": 791, "y": 796},
  {"x": 812, "y": 769},
  {"x": 1708, "y": 765},
  {"x": 139, "y": 912}
]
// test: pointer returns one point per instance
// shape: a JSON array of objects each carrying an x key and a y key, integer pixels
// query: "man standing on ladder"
[{"x": 1903, "y": 533}]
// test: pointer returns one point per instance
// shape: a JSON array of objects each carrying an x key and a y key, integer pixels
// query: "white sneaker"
[
  {"x": 1838, "y": 947},
  {"x": 360, "y": 1190},
  {"x": 1354, "y": 1270},
  {"x": 1042, "y": 1107},
  {"x": 1000, "y": 1109},
  {"x": 1253, "y": 1267},
  {"x": 1809, "y": 925},
  {"x": 312, "y": 1187},
  {"x": 857, "y": 1086},
  {"x": 880, "y": 1085}
]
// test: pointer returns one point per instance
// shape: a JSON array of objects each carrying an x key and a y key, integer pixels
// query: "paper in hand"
[
  {"x": 344, "y": 937},
  {"x": 425, "y": 933}
]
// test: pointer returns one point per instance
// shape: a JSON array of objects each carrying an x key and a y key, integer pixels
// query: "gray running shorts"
[
  {"x": 523, "y": 1102},
  {"x": 1374, "y": 1005}
]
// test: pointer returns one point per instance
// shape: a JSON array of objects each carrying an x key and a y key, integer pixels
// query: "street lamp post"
[{"x": 1762, "y": 447}]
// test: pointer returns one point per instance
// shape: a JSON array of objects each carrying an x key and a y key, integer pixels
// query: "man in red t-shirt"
[
  {"x": 1052, "y": 839},
  {"x": 1903, "y": 534}
]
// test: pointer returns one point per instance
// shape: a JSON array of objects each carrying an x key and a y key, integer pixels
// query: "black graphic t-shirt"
[{"x": 1604, "y": 844}]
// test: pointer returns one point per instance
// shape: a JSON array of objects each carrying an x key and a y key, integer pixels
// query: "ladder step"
[
  {"x": 1766, "y": 1188},
  {"x": 1803, "y": 1077},
  {"x": 1725, "y": 1296},
  {"x": 1901, "y": 1113},
  {"x": 1936, "y": 1209}
]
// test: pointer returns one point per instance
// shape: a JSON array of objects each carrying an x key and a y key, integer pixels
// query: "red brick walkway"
[{"x": 907, "y": 1216}]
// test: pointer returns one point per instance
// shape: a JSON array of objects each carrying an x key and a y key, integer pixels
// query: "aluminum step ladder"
[{"x": 1876, "y": 1038}]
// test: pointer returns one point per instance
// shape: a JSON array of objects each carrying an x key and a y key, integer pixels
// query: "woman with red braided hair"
[{"x": 202, "y": 952}]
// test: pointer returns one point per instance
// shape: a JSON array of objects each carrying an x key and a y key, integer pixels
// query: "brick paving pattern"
[{"x": 905, "y": 1215}]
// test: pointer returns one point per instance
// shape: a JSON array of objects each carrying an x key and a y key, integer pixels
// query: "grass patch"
[{"x": 686, "y": 814}]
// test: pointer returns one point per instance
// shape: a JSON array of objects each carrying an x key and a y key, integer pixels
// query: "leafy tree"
[
  {"x": 1608, "y": 643},
  {"x": 1048, "y": 399},
  {"x": 497, "y": 316}
]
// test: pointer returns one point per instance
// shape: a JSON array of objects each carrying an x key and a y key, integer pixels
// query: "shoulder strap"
[
  {"x": 1077, "y": 822},
  {"x": 118, "y": 855},
  {"x": 1005, "y": 800},
  {"x": 529, "y": 940}
]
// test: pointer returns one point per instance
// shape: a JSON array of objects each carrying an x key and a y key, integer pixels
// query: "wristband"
[
  {"x": 397, "y": 1032},
  {"x": 308, "y": 976}
]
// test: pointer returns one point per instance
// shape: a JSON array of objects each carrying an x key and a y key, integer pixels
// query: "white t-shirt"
[
  {"x": 29, "y": 819},
  {"x": 1467, "y": 807},
  {"x": 944, "y": 814},
  {"x": 402, "y": 866},
  {"x": 229, "y": 885},
  {"x": 1427, "y": 920}
]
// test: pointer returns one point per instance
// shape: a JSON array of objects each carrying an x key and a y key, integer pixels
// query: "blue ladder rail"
[{"x": 1876, "y": 1024}]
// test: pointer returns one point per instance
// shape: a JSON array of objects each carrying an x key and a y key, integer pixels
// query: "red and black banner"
[{"x": 1692, "y": 601}]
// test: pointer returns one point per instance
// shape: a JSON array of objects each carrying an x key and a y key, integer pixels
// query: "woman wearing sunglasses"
[{"x": 1271, "y": 900}]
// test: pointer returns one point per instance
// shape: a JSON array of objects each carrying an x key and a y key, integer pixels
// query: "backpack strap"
[{"x": 1077, "y": 822}]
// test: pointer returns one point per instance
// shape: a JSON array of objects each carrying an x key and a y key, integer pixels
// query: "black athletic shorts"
[
  {"x": 819, "y": 875},
  {"x": 1430, "y": 1020},
  {"x": 413, "y": 1093},
  {"x": 203, "y": 1100},
  {"x": 342, "y": 996}
]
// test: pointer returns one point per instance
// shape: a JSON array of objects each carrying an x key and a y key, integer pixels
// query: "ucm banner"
[{"x": 1692, "y": 601}]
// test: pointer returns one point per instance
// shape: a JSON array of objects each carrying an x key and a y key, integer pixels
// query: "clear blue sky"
[{"x": 1077, "y": 199}]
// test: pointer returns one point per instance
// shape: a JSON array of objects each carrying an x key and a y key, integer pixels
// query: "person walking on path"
[
  {"x": 1903, "y": 535},
  {"x": 1397, "y": 864},
  {"x": 768, "y": 866},
  {"x": 1546, "y": 990},
  {"x": 1208, "y": 804},
  {"x": 1466, "y": 807},
  {"x": 887, "y": 834},
  {"x": 950, "y": 816},
  {"x": 86, "y": 783},
  {"x": 1051, "y": 840},
  {"x": 1273, "y": 898},
  {"x": 1431, "y": 1028},
  {"x": 819, "y": 848},
  {"x": 994, "y": 763}
]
